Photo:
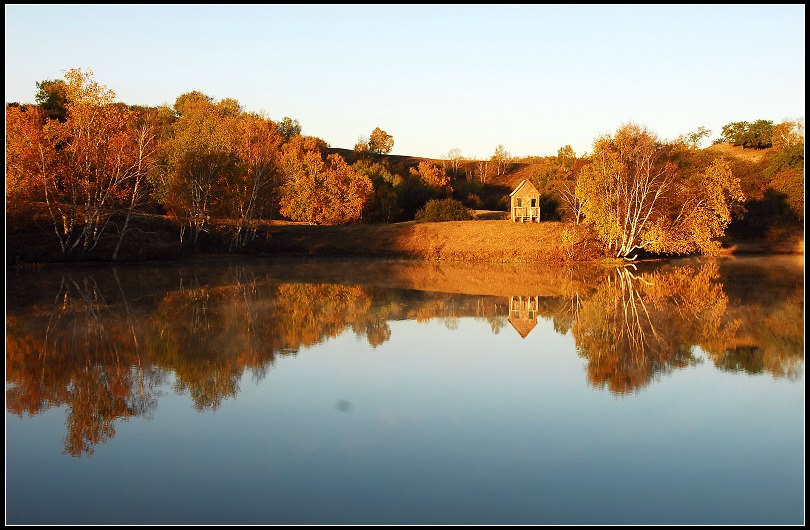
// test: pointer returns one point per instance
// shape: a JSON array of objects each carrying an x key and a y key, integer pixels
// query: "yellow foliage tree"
[
  {"x": 432, "y": 175},
  {"x": 321, "y": 192},
  {"x": 380, "y": 142},
  {"x": 701, "y": 213},
  {"x": 199, "y": 160},
  {"x": 636, "y": 198}
]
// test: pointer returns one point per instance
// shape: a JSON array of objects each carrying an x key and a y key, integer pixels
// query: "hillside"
[
  {"x": 737, "y": 152},
  {"x": 490, "y": 237},
  {"x": 517, "y": 170},
  {"x": 478, "y": 240}
]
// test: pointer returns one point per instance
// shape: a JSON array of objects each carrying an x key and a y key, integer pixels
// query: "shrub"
[
  {"x": 474, "y": 201},
  {"x": 437, "y": 210}
]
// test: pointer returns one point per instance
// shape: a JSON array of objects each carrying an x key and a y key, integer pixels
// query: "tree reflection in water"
[
  {"x": 103, "y": 348},
  {"x": 635, "y": 328},
  {"x": 80, "y": 352}
]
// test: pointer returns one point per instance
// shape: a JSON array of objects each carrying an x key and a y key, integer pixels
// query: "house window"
[
  {"x": 518, "y": 202},
  {"x": 534, "y": 202}
]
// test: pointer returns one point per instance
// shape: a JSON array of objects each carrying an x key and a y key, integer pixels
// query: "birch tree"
[
  {"x": 454, "y": 159},
  {"x": 87, "y": 165},
  {"x": 146, "y": 145},
  {"x": 501, "y": 159},
  {"x": 253, "y": 189},
  {"x": 198, "y": 159},
  {"x": 635, "y": 198}
]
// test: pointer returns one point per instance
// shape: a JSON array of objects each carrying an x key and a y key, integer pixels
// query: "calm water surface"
[{"x": 396, "y": 392}]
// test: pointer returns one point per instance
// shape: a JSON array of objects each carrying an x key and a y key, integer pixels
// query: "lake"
[{"x": 400, "y": 392}]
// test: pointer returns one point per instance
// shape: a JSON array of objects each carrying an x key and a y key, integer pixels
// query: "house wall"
[{"x": 526, "y": 196}]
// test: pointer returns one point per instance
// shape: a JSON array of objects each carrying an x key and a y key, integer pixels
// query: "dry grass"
[
  {"x": 749, "y": 155},
  {"x": 472, "y": 241},
  {"x": 487, "y": 238}
]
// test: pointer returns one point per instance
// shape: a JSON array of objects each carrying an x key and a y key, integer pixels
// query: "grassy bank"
[
  {"x": 474, "y": 241},
  {"x": 485, "y": 239}
]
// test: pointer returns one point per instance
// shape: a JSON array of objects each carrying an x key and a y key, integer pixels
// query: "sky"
[{"x": 531, "y": 78}]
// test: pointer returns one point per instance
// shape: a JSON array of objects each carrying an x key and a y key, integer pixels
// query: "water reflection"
[
  {"x": 636, "y": 327},
  {"x": 523, "y": 313},
  {"x": 102, "y": 343}
]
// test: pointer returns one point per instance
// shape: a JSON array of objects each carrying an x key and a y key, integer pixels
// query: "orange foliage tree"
[
  {"x": 380, "y": 142},
  {"x": 28, "y": 158},
  {"x": 253, "y": 189},
  {"x": 86, "y": 167},
  {"x": 321, "y": 191},
  {"x": 431, "y": 175}
]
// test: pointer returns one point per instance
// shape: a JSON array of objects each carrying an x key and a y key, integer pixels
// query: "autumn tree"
[
  {"x": 30, "y": 157},
  {"x": 199, "y": 159},
  {"x": 482, "y": 170},
  {"x": 501, "y": 159},
  {"x": 635, "y": 198},
  {"x": 380, "y": 142},
  {"x": 572, "y": 204},
  {"x": 785, "y": 173},
  {"x": 454, "y": 159},
  {"x": 288, "y": 128},
  {"x": 321, "y": 191},
  {"x": 253, "y": 189},
  {"x": 697, "y": 214},
  {"x": 693, "y": 139},
  {"x": 86, "y": 167},
  {"x": 566, "y": 158},
  {"x": 431, "y": 175},
  {"x": 384, "y": 206},
  {"x": 362, "y": 146},
  {"x": 146, "y": 141},
  {"x": 789, "y": 133}
]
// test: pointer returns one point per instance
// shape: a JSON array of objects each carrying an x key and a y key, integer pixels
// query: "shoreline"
[{"x": 477, "y": 241}]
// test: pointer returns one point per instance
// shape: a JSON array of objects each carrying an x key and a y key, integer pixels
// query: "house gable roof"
[
  {"x": 523, "y": 326},
  {"x": 524, "y": 183}
]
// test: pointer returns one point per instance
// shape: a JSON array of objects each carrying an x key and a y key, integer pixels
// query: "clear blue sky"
[{"x": 530, "y": 78}]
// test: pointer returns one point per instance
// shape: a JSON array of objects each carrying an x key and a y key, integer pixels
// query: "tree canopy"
[
  {"x": 635, "y": 197},
  {"x": 321, "y": 191},
  {"x": 52, "y": 98},
  {"x": 757, "y": 135},
  {"x": 380, "y": 142}
]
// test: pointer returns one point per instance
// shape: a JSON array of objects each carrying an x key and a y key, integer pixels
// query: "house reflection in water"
[{"x": 523, "y": 313}]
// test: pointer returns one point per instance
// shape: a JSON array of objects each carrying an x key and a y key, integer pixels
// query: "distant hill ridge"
[{"x": 523, "y": 168}]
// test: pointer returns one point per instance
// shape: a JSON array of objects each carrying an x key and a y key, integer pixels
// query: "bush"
[{"x": 437, "y": 210}]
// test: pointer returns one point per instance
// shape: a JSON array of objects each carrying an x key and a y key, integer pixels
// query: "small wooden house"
[
  {"x": 523, "y": 313},
  {"x": 525, "y": 203}
]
